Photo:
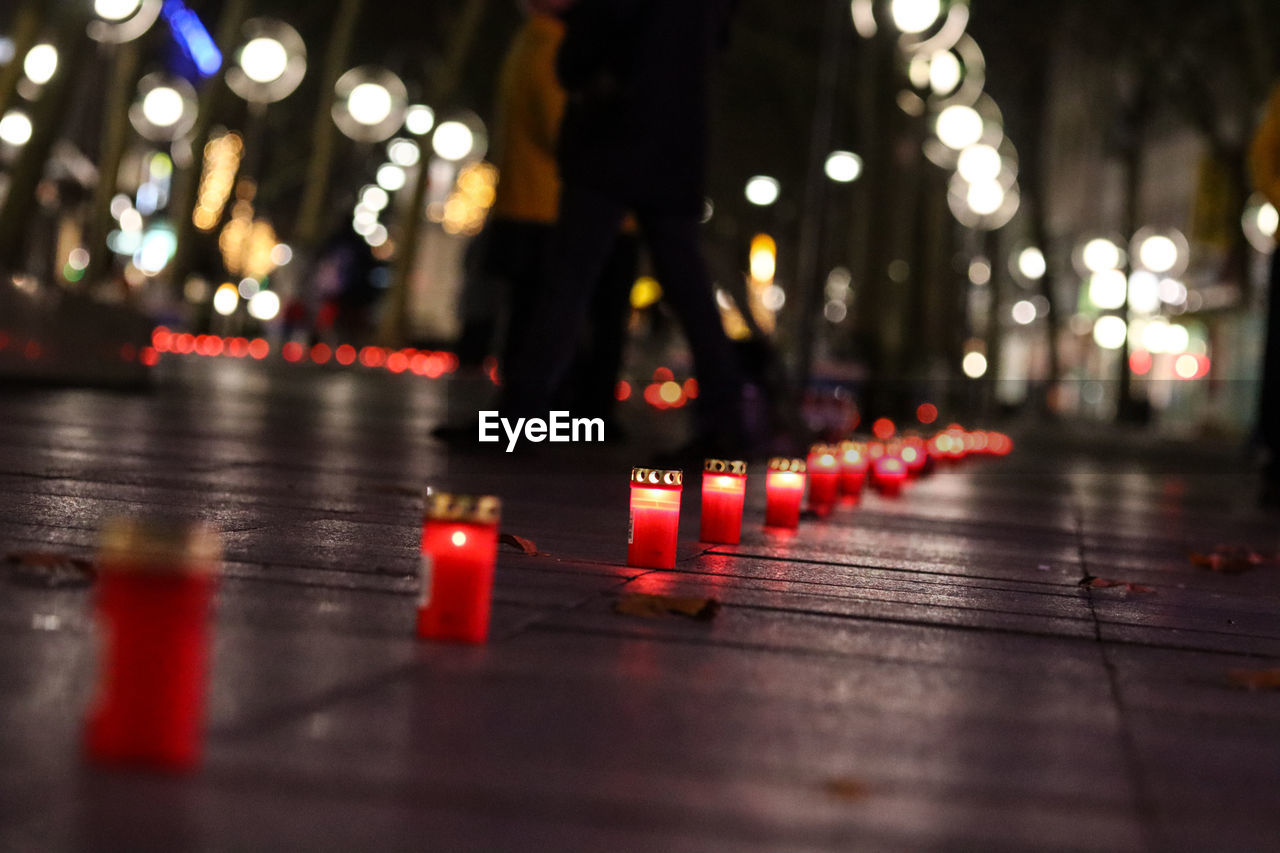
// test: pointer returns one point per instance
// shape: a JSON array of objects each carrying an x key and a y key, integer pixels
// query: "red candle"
[
  {"x": 156, "y": 581},
  {"x": 824, "y": 478},
  {"x": 853, "y": 468},
  {"x": 890, "y": 474},
  {"x": 655, "y": 518},
  {"x": 724, "y": 489},
  {"x": 459, "y": 549},
  {"x": 783, "y": 488}
]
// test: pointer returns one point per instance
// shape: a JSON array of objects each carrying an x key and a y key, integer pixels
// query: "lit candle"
[
  {"x": 783, "y": 488},
  {"x": 853, "y": 468},
  {"x": 724, "y": 489},
  {"x": 459, "y": 549},
  {"x": 890, "y": 473},
  {"x": 824, "y": 478},
  {"x": 156, "y": 581},
  {"x": 655, "y": 518}
]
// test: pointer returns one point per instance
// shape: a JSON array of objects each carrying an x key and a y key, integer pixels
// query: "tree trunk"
[
  {"x": 46, "y": 121},
  {"x": 115, "y": 134}
]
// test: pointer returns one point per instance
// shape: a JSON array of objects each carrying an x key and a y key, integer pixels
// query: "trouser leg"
[
  {"x": 686, "y": 284},
  {"x": 580, "y": 246}
]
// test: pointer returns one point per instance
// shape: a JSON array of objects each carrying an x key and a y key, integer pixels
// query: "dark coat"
[{"x": 637, "y": 73}]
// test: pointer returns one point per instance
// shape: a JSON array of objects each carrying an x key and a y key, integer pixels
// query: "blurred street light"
[
  {"x": 115, "y": 10},
  {"x": 269, "y": 64},
  {"x": 915, "y": 16},
  {"x": 1160, "y": 251},
  {"x": 945, "y": 73},
  {"x": 162, "y": 106},
  {"x": 403, "y": 152},
  {"x": 40, "y": 63},
  {"x": 369, "y": 103},
  {"x": 1024, "y": 312},
  {"x": 959, "y": 126},
  {"x": 419, "y": 119},
  {"x": 979, "y": 162},
  {"x": 1110, "y": 332},
  {"x": 843, "y": 166},
  {"x": 374, "y": 198},
  {"x": 1031, "y": 263},
  {"x": 15, "y": 128},
  {"x": 762, "y": 190},
  {"x": 264, "y": 305},
  {"x": 226, "y": 299},
  {"x": 165, "y": 108},
  {"x": 119, "y": 21},
  {"x": 1108, "y": 289},
  {"x": 453, "y": 141},
  {"x": 1101, "y": 254},
  {"x": 985, "y": 197},
  {"x": 390, "y": 177},
  {"x": 1144, "y": 292},
  {"x": 974, "y": 365},
  {"x": 263, "y": 59}
]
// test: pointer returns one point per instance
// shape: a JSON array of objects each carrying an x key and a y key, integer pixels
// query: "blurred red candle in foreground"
[
  {"x": 853, "y": 468},
  {"x": 724, "y": 489},
  {"x": 459, "y": 550},
  {"x": 156, "y": 581},
  {"x": 784, "y": 487},
  {"x": 890, "y": 474},
  {"x": 824, "y": 478},
  {"x": 655, "y": 518}
]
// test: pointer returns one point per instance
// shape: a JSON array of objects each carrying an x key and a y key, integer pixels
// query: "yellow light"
[
  {"x": 763, "y": 260},
  {"x": 670, "y": 392},
  {"x": 458, "y": 538},
  {"x": 225, "y": 299},
  {"x": 645, "y": 292}
]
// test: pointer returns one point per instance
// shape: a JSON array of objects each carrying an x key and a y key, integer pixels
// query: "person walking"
[
  {"x": 511, "y": 256},
  {"x": 634, "y": 137}
]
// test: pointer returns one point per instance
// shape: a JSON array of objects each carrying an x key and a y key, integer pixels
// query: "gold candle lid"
[
  {"x": 169, "y": 546},
  {"x": 656, "y": 477},
  {"x": 819, "y": 449},
  {"x": 725, "y": 466},
  {"x": 782, "y": 463},
  {"x": 475, "y": 509}
]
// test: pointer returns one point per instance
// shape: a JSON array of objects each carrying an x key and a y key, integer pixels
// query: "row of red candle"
[{"x": 157, "y": 580}]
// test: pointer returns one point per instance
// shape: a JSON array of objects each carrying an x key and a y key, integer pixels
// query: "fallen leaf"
[
  {"x": 1106, "y": 583},
  {"x": 649, "y": 606},
  {"x": 1230, "y": 560},
  {"x": 50, "y": 570},
  {"x": 846, "y": 789},
  {"x": 519, "y": 543},
  {"x": 1255, "y": 679}
]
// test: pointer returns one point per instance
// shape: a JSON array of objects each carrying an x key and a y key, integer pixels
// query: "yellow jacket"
[
  {"x": 1264, "y": 153},
  {"x": 530, "y": 106}
]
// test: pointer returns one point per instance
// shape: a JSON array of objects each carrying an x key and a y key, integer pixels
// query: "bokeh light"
[
  {"x": 40, "y": 63},
  {"x": 843, "y": 166},
  {"x": 762, "y": 190},
  {"x": 1110, "y": 332}
]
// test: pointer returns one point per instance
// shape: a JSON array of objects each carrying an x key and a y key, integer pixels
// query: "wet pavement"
[{"x": 920, "y": 673}]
